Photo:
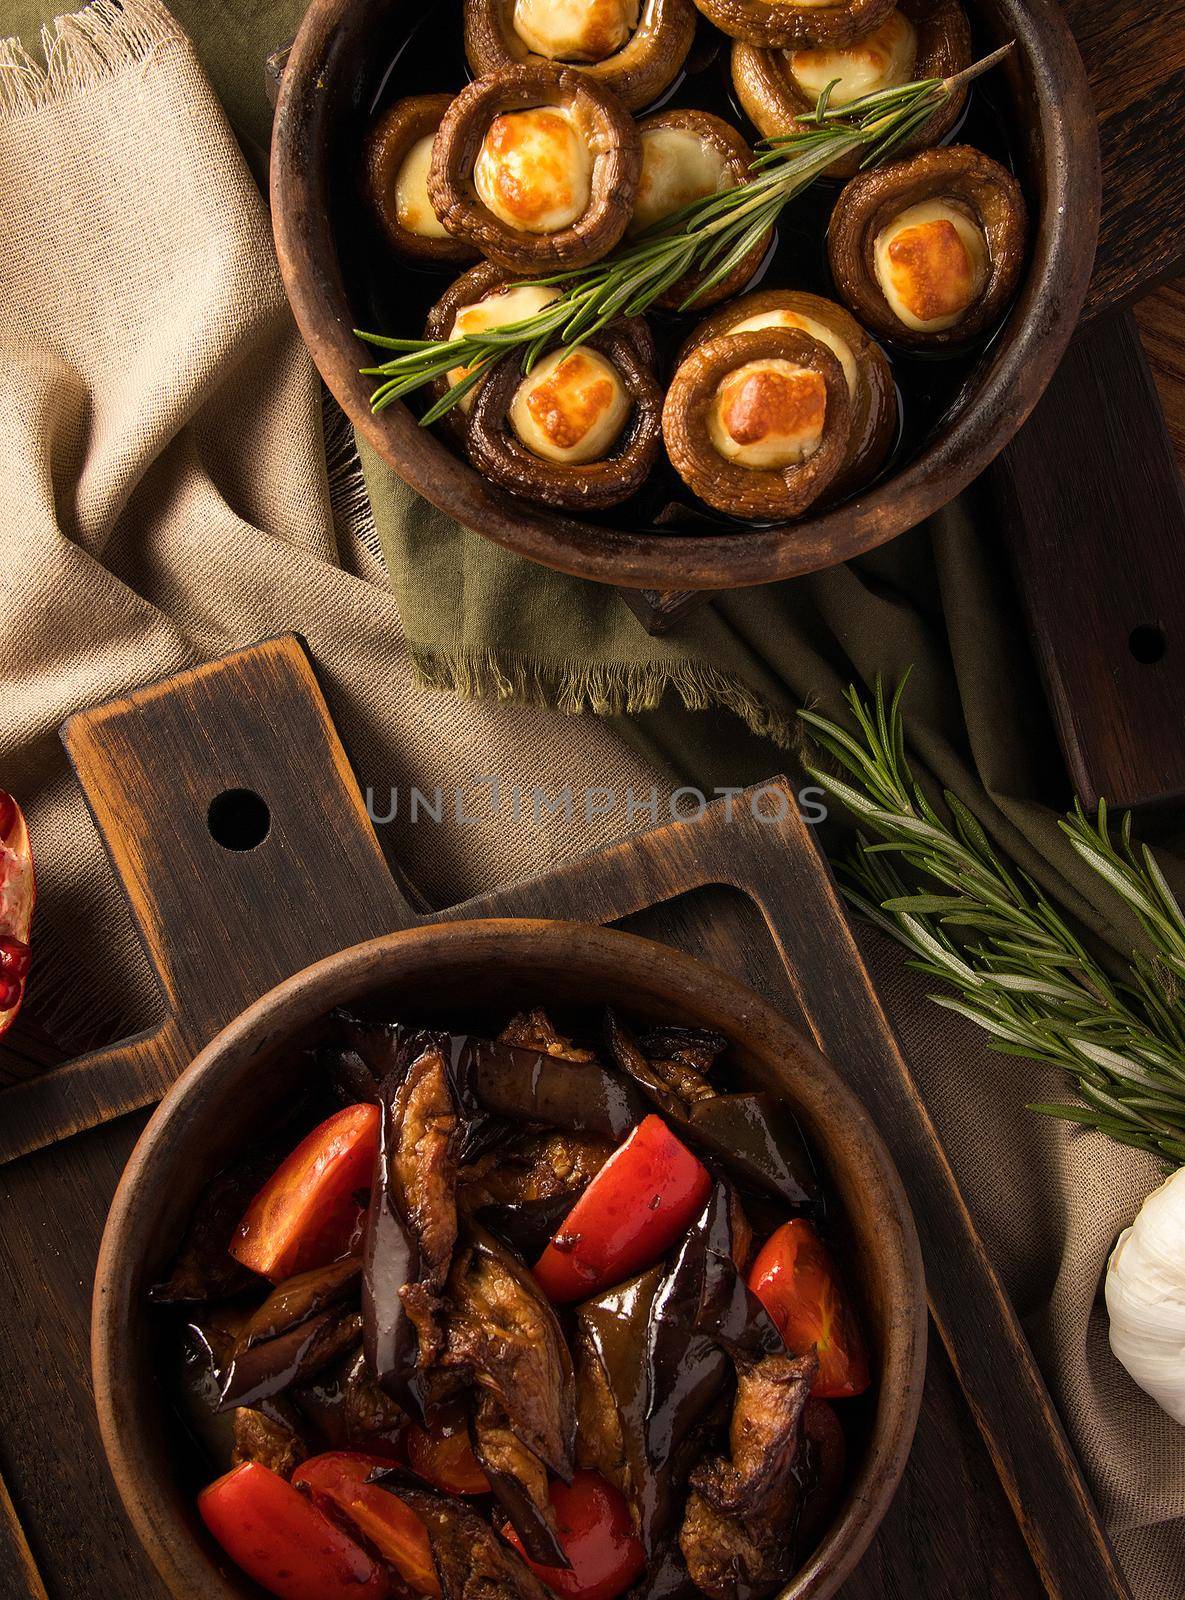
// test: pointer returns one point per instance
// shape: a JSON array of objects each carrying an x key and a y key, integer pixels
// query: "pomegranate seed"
[
  {"x": 7, "y": 814},
  {"x": 14, "y": 959},
  {"x": 10, "y": 989}
]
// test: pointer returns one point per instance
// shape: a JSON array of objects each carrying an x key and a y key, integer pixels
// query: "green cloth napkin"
[{"x": 714, "y": 704}]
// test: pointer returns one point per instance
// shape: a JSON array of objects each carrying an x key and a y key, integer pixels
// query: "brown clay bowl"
[
  {"x": 325, "y": 94},
  {"x": 252, "y": 1065}
]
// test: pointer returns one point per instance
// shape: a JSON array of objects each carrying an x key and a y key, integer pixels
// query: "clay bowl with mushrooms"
[
  {"x": 683, "y": 1052},
  {"x": 561, "y": 132}
]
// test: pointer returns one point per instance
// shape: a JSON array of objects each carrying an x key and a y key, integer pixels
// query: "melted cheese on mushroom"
[
  {"x": 575, "y": 30},
  {"x": 931, "y": 263},
  {"x": 840, "y": 348},
  {"x": 412, "y": 205},
  {"x": 882, "y": 59},
  {"x": 571, "y": 408},
  {"x": 677, "y": 168},
  {"x": 768, "y": 414},
  {"x": 496, "y": 310},
  {"x": 534, "y": 171}
]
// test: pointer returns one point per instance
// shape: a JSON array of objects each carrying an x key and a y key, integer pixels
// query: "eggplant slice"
[
  {"x": 273, "y": 1435},
  {"x": 658, "y": 1351},
  {"x": 519, "y": 1482},
  {"x": 503, "y": 1331},
  {"x": 737, "y": 1534},
  {"x": 412, "y": 1223},
  {"x": 473, "y": 1563}
]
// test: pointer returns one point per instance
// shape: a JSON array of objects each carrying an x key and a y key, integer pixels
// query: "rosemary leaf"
[{"x": 1015, "y": 967}]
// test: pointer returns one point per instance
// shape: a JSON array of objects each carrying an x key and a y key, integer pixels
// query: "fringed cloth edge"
[
  {"x": 605, "y": 690},
  {"x": 81, "y": 51}
]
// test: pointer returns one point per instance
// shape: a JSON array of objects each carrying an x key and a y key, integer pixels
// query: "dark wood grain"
[
  {"x": 661, "y": 611},
  {"x": 1092, "y": 508},
  {"x": 317, "y": 882},
  {"x": 15, "y": 1556},
  {"x": 1135, "y": 61},
  {"x": 990, "y": 1473},
  {"x": 1160, "y": 317}
]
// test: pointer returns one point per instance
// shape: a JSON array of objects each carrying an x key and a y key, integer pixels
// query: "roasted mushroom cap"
[
  {"x": 757, "y": 423},
  {"x": 871, "y": 391},
  {"x": 536, "y": 166},
  {"x": 396, "y": 159},
  {"x": 488, "y": 297},
  {"x": 687, "y": 155},
  {"x": 795, "y": 22},
  {"x": 635, "y": 49},
  {"x": 928, "y": 251},
  {"x": 580, "y": 431},
  {"x": 919, "y": 39}
]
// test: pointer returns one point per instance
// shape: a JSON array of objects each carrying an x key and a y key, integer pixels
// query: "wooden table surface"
[{"x": 53, "y": 1204}]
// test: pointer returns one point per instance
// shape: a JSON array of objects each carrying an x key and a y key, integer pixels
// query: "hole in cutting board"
[
  {"x": 238, "y": 819},
  {"x": 1147, "y": 643}
]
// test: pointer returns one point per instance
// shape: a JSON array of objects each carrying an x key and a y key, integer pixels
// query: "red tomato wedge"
[
  {"x": 597, "y": 1535},
  {"x": 337, "y": 1483},
  {"x": 306, "y": 1213},
  {"x": 18, "y": 895},
  {"x": 795, "y": 1281},
  {"x": 282, "y": 1541},
  {"x": 635, "y": 1208},
  {"x": 443, "y": 1456}
]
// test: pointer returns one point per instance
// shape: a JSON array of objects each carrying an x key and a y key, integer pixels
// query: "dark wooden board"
[
  {"x": 1091, "y": 507},
  {"x": 993, "y": 1502},
  {"x": 1135, "y": 62}
]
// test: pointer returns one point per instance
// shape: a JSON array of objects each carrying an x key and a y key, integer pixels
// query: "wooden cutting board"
[{"x": 232, "y": 894}]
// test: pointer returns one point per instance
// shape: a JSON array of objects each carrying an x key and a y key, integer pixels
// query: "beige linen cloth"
[{"x": 164, "y": 497}]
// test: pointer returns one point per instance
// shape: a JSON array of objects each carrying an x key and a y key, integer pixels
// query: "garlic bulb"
[{"x": 1145, "y": 1292}]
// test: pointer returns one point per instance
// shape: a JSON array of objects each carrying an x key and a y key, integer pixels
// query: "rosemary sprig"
[
  {"x": 1019, "y": 971},
  {"x": 709, "y": 236}
]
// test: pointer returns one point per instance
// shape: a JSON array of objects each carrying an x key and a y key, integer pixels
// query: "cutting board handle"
[{"x": 235, "y": 825}]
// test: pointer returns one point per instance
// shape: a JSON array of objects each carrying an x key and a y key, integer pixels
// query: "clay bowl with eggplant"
[
  {"x": 508, "y": 1259},
  {"x": 570, "y": 194}
]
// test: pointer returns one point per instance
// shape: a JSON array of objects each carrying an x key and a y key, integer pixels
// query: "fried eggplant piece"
[
  {"x": 519, "y": 1481},
  {"x": 543, "y": 1166},
  {"x": 472, "y": 1561},
  {"x": 502, "y": 1330},
  {"x": 533, "y": 1030},
  {"x": 737, "y": 1534},
  {"x": 411, "y": 1226},
  {"x": 271, "y": 1434},
  {"x": 303, "y": 1326}
]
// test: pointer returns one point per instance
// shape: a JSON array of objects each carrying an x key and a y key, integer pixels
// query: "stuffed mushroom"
[
  {"x": 636, "y": 48},
  {"x": 758, "y": 423},
  {"x": 396, "y": 159},
  {"x": 871, "y": 392},
  {"x": 795, "y": 22},
  {"x": 485, "y": 297},
  {"x": 918, "y": 39},
  {"x": 581, "y": 429},
  {"x": 536, "y": 166},
  {"x": 687, "y": 156},
  {"x": 927, "y": 252}
]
